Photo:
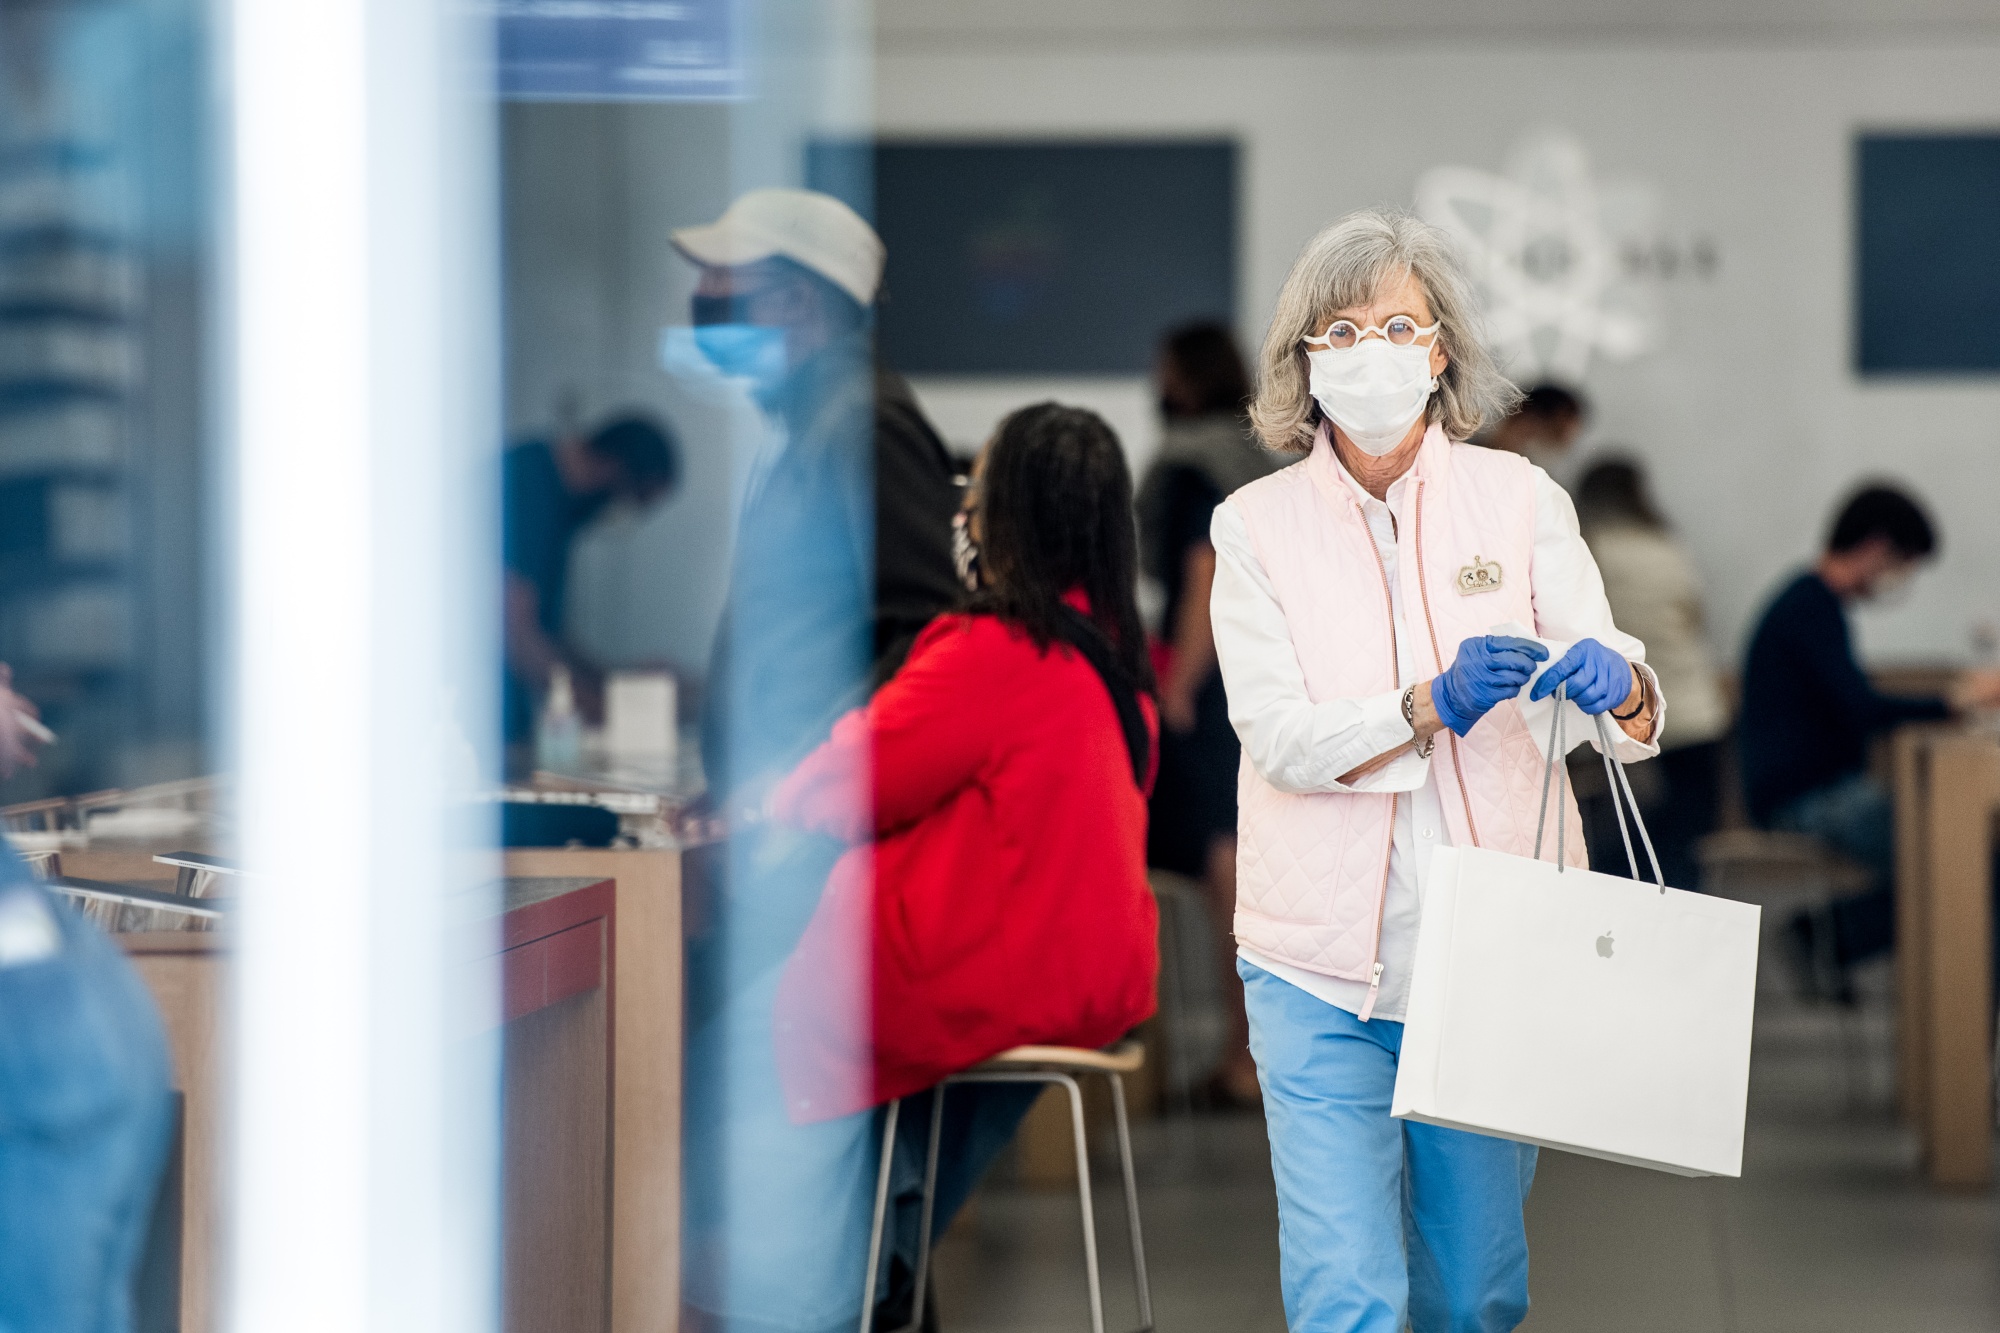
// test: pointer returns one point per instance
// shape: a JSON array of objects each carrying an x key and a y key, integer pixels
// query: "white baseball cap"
[{"x": 804, "y": 226}]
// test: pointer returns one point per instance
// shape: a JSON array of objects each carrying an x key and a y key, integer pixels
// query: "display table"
[
  {"x": 1947, "y": 787},
  {"x": 557, "y": 946},
  {"x": 646, "y": 1089},
  {"x": 557, "y": 950},
  {"x": 185, "y": 970}
]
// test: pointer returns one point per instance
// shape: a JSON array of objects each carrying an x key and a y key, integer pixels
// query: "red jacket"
[{"x": 998, "y": 893}]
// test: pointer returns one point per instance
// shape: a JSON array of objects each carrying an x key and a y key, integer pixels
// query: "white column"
[{"x": 356, "y": 255}]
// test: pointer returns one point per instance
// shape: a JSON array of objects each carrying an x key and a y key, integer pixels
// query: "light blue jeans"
[
  {"x": 84, "y": 1118},
  {"x": 1382, "y": 1223}
]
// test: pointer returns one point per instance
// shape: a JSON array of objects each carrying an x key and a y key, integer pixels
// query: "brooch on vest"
[{"x": 1479, "y": 576}]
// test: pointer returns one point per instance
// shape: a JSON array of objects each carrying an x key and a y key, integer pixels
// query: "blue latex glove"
[
  {"x": 1598, "y": 678},
  {"x": 1486, "y": 671}
]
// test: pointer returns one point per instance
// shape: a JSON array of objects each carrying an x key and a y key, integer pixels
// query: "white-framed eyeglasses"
[{"x": 1398, "y": 330}]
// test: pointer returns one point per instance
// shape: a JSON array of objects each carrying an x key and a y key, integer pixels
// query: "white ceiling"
[{"x": 1140, "y": 23}]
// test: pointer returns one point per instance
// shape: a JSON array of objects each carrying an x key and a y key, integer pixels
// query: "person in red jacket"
[{"x": 994, "y": 892}]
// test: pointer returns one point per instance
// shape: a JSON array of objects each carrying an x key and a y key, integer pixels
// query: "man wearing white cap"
[
  {"x": 844, "y": 548},
  {"x": 843, "y": 554}
]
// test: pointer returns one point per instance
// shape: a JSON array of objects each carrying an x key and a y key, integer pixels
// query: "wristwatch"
[{"x": 1410, "y": 716}]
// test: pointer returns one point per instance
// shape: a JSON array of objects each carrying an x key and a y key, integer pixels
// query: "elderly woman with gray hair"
[{"x": 1378, "y": 606}]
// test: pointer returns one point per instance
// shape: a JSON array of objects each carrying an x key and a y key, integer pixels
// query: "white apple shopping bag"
[{"x": 1581, "y": 1011}]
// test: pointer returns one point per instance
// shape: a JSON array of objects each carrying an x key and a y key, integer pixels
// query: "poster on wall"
[
  {"x": 1041, "y": 257},
  {"x": 1927, "y": 250},
  {"x": 618, "y": 50}
]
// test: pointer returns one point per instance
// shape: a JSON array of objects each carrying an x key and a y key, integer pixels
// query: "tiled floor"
[{"x": 1829, "y": 1230}]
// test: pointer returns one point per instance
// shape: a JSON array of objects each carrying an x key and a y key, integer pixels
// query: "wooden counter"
[
  {"x": 1947, "y": 787},
  {"x": 557, "y": 942},
  {"x": 185, "y": 970},
  {"x": 646, "y": 1088},
  {"x": 557, "y": 996}
]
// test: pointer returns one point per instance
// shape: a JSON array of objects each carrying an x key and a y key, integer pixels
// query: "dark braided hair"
[{"x": 1055, "y": 514}]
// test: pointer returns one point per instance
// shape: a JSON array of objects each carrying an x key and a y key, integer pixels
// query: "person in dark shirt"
[
  {"x": 549, "y": 493},
  {"x": 1208, "y": 452},
  {"x": 843, "y": 545},
  {"x": 1543, "y": 428},
  {"x": 843, "y": 553},
  {"x": 1809, "y": 712}
]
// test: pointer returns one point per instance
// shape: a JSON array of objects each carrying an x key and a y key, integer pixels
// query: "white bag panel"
[
  {"x": 1520, "y": 1027},
  {"x": 1423, "y": 1015}
]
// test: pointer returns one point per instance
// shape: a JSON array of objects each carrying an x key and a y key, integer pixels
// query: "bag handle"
[{"x": 1623, "y": 802}]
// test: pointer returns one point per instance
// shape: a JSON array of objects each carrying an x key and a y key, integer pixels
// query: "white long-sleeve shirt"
[{"x": 1302, "y": 745}]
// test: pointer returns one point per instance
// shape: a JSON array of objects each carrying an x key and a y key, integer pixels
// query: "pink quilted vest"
[{"x": 1312, "y": 870}]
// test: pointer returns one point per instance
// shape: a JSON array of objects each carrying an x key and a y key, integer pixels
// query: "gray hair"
[{"x": 1346, "y": 265}]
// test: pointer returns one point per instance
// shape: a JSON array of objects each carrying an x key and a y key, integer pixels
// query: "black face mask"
[{"x": 720, "y": 309}]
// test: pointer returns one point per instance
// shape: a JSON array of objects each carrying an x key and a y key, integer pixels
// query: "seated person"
[
  {"x": 994, "y": 892},
  {"x": 1543, "y": 429},
  {"x": 550, "y": 493},
  {"x": 1808, "y": 713}
]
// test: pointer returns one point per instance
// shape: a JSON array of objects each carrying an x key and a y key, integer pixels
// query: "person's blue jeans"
[
  {"x": 1855, "y": 817},
  {"x": 85, "y": 1111},
  {"x": 1382, "y": 1224}
]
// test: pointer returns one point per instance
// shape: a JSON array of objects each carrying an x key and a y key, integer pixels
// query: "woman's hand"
[
  {"x": 1599, "y": 680},
  {"x": 1486, "y": 671},
  {"x": 17, "y": 735},
  {"x": 1974, "y": 689}
]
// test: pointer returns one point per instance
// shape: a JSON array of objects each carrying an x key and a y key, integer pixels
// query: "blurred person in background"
[
  {"x": 1655, "y": 593},
  {"x": 550, "y": 491},
  {"x": 1809, "y": 712},
  {"x": 20, "y": 727},
  {"x": 842, "y": 555},
  {"x": 1339, "y": 585},
  {"x": 843, "y": 549},
  {"x": 1543, "y": 428},
  {"x": 992, "y": 800},
  {"x": 1207, "y": 453}
]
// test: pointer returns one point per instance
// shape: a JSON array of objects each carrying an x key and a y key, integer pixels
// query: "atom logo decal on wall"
[{"x": 1565, "y": 261}]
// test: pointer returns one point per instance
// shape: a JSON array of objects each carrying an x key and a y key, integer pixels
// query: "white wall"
[{"x": 1748, "y": 413}]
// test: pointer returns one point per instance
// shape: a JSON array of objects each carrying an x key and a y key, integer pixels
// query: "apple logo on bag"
[{"x": 1605, "y": 945}]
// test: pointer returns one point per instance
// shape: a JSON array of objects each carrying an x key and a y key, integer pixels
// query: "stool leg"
[
  {"x": 1083, "y": 1197},
  {"x": 1177, "y": 1035},
  {"x": 1131, "y": 1202},
  {"x": 930, "y": 1203},
  {"x": 881, "y": 1211}
]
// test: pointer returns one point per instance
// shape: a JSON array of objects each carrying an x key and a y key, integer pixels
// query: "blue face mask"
[{"x": 744, "y": 351}]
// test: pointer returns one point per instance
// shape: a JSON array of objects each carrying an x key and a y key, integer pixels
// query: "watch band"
[
  {"x": 1424, "y": 748},
  {"x": 1645, "y": 697}
]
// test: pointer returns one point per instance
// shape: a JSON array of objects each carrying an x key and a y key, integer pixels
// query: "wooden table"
[
  {"x": 1947, "y": 785},
  {"x": 646, "y": 1088},
  {"x": 186, "y": 972},
  {"x": 557, "y": 943},
  {"x": 558, "y": 983}
]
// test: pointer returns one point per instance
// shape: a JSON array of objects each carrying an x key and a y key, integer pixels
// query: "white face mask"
[
  {"x": 1892, "y": 587},
  {"x": 1374, "y": 391}
]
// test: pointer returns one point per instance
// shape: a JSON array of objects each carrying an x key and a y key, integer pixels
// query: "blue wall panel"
[
  {"x": 1927, "y": 282},
  {"x": 1042, "y": 257}
]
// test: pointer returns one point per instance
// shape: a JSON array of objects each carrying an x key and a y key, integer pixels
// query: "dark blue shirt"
[
  {"x": 539, "y": 521},
  {"x": 1808, "y": 709}
]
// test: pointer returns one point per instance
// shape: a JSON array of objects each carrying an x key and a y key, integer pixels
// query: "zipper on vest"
[
  {"x": 1424, "y": 589},
  {"x": 1389, "y": 852},
  {"x": 1381, "y": 906},
  {"x": 1374, "y": 991}
]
